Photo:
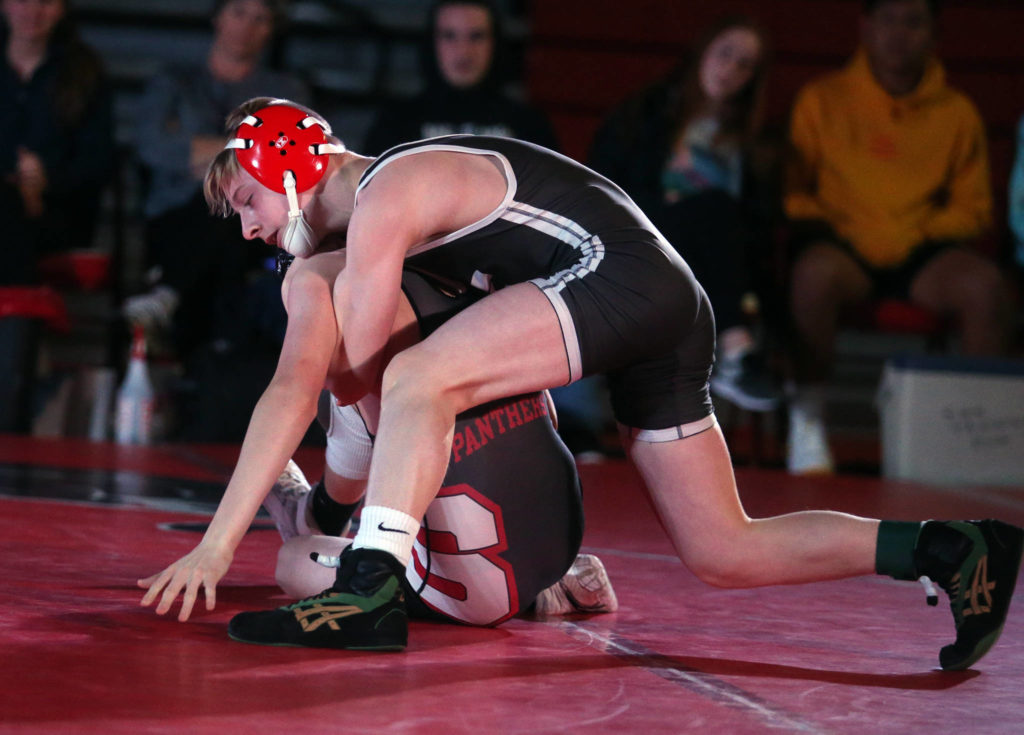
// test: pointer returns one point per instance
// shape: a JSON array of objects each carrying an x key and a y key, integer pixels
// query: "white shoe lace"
[
  {"x": 585, "y": 588},
  {"x": 287, "y": 501},
  {"x": 292, "y": 481}
]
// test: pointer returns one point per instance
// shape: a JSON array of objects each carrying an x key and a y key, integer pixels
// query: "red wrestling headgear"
[
  {"x": 280, "y": 138},
  {"x": 286, "y": 149}
]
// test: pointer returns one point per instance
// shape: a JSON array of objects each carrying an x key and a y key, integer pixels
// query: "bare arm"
[
  {"x": 278, "y": 423},
  {"x": 411, "y": 201}
]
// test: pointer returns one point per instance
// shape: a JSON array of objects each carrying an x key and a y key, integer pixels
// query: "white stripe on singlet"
[
  {"x": 590, "y": 247},
  {"x": 591, "y": 253}
]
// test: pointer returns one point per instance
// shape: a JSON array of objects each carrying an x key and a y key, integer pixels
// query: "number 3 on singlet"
[{"x": 467, "y": 580}]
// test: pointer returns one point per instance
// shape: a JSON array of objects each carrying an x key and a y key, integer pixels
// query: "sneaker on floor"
[
  {"x": 980, "y": 575},
  {"x": 287, "y": 503},
  {"x": 807, "y": 450},
  {"x": 585, "y": 588},
  {"x": 744, "y": 381},
  {"x": 364, "y": 610}
]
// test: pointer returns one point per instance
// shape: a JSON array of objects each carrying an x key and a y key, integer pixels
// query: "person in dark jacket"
[
  {"x": 56, "y": 135},
  {"x": 684, "y": 149},
  {"x": 463, "y": 61}
]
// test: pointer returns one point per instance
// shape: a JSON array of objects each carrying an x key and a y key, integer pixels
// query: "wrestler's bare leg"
[
  {"x": 469, "y": 361},
  {"x": 691, "y": 483},
  {"x": 505, "y": 344}
]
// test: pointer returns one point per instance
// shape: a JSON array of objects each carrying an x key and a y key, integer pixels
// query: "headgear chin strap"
[
  {"x": 286, "y": 150},
  {"x": 297, "y": 237}
]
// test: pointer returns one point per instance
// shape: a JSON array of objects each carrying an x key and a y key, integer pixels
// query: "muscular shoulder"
[
  {"x": 437, "y": 191},
  {"x": 427, "y": 166}
]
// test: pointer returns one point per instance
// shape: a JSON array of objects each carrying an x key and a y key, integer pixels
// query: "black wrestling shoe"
[
  {"x": 976, "y": 563},
  {"x": 364, "y": 610}
]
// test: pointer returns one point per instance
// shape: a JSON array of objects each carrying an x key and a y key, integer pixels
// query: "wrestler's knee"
[
  {"x": 416, "y": 377},
  {"x": 407, "y": 377},
  {"x": 722, "y": 562}
]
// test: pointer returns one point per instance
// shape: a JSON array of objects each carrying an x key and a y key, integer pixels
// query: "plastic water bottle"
[{"x": 135, "y": 398}]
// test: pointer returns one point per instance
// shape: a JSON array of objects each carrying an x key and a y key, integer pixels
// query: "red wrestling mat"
[{"x": 80, "y": 655}]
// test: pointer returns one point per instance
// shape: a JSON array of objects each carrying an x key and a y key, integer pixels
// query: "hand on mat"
[{"x": 203, "y": 566}]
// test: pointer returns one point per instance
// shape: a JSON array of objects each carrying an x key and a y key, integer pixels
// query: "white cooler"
[{"x": 953, "y": 420}]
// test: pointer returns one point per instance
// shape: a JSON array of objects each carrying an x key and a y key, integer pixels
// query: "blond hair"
[{"x": 225, "y": 166}]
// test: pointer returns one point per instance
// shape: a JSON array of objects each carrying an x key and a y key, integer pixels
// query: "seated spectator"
[
  {"x": 56, "y": 135},
  {"x": 1017, "y": 198},
  {"x": 682, "y": 149},
  {"x": 208, "y": 285},
  {"x": 888, "y": 187},
  {"x": 462, "y": 60}
]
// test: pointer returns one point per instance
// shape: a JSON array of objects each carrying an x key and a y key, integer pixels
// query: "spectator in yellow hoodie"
[{"x": 888, "y": 185}]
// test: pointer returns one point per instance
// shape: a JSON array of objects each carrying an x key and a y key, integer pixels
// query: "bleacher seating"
[
  {"x": 585, "y": 56},
  {"x": 577, "y": 59}
]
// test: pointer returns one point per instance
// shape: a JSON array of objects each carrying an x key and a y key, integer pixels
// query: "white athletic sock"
[{"x": 387, "y": 529}]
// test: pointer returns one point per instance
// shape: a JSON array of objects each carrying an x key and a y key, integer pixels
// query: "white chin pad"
[{"x": 298, "y": 237}]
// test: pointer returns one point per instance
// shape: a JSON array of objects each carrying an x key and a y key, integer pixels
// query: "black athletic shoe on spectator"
[
  {"x": 363, "y": 610},
  {"x": 976, "y": 563}
]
